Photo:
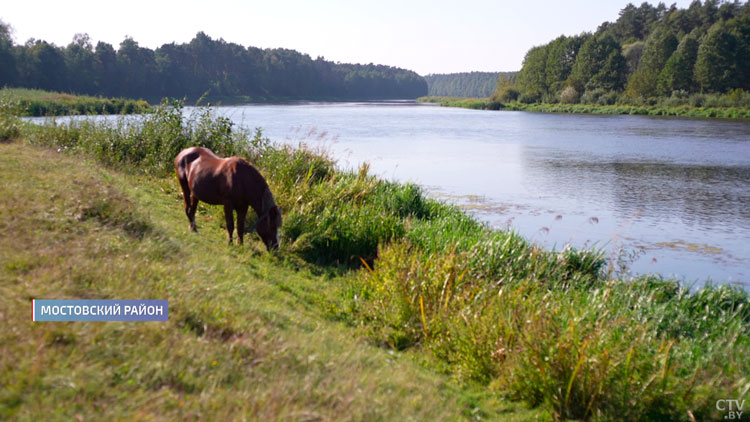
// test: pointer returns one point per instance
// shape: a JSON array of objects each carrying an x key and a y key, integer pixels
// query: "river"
[
  {"x": 663, "y": 195},
  {"x": 667, "y": 196}
]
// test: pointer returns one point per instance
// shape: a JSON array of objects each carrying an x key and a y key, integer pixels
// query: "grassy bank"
[
  {"x": 472, "y": 103},
  {"x": 431, "y": 314},
  {"x": 34, "y": 102},
  {"x": 642, "y": 110}
]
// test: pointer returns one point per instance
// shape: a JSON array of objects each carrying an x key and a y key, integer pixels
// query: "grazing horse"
[{"x": 232, "y": 182}]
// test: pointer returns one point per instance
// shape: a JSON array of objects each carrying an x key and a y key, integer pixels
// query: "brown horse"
[{"x": 232, "y": 182}]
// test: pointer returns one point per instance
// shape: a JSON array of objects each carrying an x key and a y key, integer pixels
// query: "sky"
[{"x": 426, "y": 36}]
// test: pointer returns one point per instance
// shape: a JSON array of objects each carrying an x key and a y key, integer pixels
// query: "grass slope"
[{"x": 250, "y": 336}]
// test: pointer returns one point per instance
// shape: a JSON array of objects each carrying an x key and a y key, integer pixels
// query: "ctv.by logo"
[{"x": 733, "y": 408}]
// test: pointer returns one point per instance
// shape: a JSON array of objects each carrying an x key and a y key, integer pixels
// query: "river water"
[
  {"x": 667, "y": 196},
  {"x": 664, "y": 195}
]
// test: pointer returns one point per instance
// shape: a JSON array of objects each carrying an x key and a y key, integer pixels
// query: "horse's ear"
[{"x": 274, "y": 214}]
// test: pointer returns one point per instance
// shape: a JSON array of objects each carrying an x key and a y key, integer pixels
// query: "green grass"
[
  {"x": 250, "y": 334},
  {"x": 34, "y": 102},
  {"x": 384, "y": 306},
  {"x": 646, "y": 110},
  {"x": 471, "y": 103}
]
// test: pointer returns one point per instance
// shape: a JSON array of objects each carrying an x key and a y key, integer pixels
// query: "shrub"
[
  {"x": 569, "y": 95},
  {"x": 10, "y": 126},
  {"x": 530, "y": 97},
  {"x": 149, "y": 144},
  {"x": 506, "y": 95},
  {"x": 599, "y": 96}
]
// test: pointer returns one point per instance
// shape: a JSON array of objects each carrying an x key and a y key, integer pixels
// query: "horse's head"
[{"x": 268, "y": 227}]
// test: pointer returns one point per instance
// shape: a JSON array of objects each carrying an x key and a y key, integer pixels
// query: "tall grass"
[
  {"x": 732, "y": 105},
  {"x": 247, "y": 337},
  {"x": 34, "y": 102},
  {"x": 607, "y": 350},
  {"x": 149, "y": 143},
  {"x": 551, "y": 328},
  {"x": 10, "y": 126}
]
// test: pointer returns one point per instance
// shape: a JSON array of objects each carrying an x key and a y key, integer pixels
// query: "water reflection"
[{"x": 708, "y": 198}]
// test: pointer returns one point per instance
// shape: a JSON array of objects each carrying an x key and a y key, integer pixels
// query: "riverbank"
[
  {"x": 644, "y": 110},
  {"x": 38, "y": 103},
  {"x": 250, "y": 334},
  {"x": 466, "y": 314}
]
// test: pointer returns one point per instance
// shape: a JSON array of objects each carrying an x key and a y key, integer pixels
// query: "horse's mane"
[{"x": 267, "y": 201}]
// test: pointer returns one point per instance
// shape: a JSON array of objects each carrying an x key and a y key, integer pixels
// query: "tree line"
[
  {"x": 192, "y": 69},
  {"x": 649, "y": 52},
  {"x": 467, "y": 84}
]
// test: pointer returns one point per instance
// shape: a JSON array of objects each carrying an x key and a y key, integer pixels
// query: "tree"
[
  {"x": 137, "y": 67},
  {"x": 44, "y": 66},
  {"x": 8, "y": 71},
  {"x": 633, "y": 53},
  {"x": 678, "y": 71},
  {"x": 533, "y": 79},
  {"x": 599, "y": 64},
  {"x": 683, "y": 21},
  {"x": 473, "y": 84},
  {"x": 716, "y": 65},
  {"x": 630, "y": 26},
  {"x": 79, "y": 60},
  {"x": 106, "y": 75},
  {"x": 740, "y": 28},
  {"x": 505, "y": 90},
  {"x": 658, "y": 48},
  {"x": 636, "y": 23},
  {"x": 561, "y": 56},
  {"x": 204, "y": 64}
]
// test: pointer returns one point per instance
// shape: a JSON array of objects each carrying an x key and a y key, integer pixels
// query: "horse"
[{"x": 232, "y": 182}]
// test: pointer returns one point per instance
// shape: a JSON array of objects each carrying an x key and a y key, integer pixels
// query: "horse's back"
[
  {"x": 188, "y": 156},
  {"x": 243, "y": 179},
  {"x": 217, "y": 180}
]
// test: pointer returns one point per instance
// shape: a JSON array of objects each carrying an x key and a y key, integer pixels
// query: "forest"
[
  {"x": 466, "y": 84},
  {"x": 221, "y": 68},
  {"x": 649, "y": 52}
]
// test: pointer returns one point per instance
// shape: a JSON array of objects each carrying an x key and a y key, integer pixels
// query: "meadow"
[
  {"x": 388, "y": 306},
  {"x": 35, "y": 102}
]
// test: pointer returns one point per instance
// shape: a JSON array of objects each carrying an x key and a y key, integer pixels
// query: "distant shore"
[
  {"x": 38, "y": 103},
  {"x": 655, "y": 110}
]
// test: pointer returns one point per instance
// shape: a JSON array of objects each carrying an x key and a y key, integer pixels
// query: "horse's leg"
[
  {"x": 229, "y": 216},
  {"x": 191, "y": 212},
  {"x": 241, "y": 213},
  {"x": 186, "y": 198}
]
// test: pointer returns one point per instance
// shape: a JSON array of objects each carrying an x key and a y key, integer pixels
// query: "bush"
[
  {"x": 150, "y": 144},
  {"x": 530, "y": 97},
  {"x": 697, "y": 100},
  {"x": 599, "y": 96},
  {"x": 506, "y": 95},
  {"x": 569, "y": 95},
  {"x": 10, "y": 126}
]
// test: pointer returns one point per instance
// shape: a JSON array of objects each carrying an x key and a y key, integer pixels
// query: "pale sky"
[{"x": 427, "y": 36}]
